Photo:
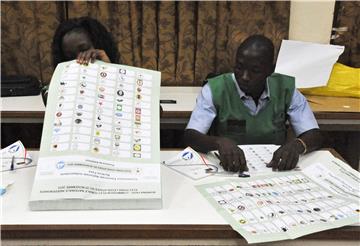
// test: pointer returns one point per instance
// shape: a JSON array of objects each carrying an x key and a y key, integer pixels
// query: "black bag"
[{"x": 19, "y": 86}]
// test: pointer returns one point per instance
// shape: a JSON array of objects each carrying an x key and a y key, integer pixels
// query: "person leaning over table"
[
  {"x": 251, "y": 106},
  {"x": 84, "y": 39}
]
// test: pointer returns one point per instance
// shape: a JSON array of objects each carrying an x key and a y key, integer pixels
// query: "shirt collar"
[{"x": 264, "y": 95}]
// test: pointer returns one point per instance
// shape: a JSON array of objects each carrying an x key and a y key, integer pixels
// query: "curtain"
[
  {"x": 348, "y": 16},
  {"x": 27, "y": 29},
  {"x": 184, "y": 40}
]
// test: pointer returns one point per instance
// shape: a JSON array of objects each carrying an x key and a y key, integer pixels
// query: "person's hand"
[
  {"x": 287, "y": 156},
  {"x": 90, "y": 55},
  {"x": 231, "y": 156}
]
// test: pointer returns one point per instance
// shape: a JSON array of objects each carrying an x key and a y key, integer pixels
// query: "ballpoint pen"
[
  {"x": 168, "y": 101},
  {"x": 12, "y": 166},
  {"x": 243, "y": 174}
]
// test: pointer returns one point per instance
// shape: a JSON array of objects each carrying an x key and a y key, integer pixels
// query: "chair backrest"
[{"x": 209, "y": 76}]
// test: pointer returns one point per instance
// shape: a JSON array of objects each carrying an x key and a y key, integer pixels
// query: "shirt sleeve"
[
  {"x": 204, "y": 112},
  {"x": 300, "y": 114}
]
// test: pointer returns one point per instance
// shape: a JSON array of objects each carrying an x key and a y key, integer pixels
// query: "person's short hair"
[
  {"x": 259, "y": 42},
  {"x": 100, "y": 38}
]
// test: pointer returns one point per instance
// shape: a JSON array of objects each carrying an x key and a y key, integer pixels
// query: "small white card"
[{"x": 15, "y": 156}]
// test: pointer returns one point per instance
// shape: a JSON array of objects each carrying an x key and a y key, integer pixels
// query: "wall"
[{"x": 311, "y": 21}]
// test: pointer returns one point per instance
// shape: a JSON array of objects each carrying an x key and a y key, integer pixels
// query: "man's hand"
[
  {"x": 231, "y": 156},
  {"x": 287, "y": 156},
  {"x": 90, "y": 55}
]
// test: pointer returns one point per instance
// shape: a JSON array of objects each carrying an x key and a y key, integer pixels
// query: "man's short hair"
[{"x": 259, "y": 42}]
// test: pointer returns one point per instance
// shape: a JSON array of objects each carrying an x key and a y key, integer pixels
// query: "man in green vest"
[{"x": 251, "y": 106}]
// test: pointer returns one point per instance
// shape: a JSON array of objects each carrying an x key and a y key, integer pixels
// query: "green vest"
[{"x": 234, "y": 120}]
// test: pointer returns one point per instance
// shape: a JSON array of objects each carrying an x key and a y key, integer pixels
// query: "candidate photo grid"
[
  {"x": 280, "y": 204},
  {"x": 105, "y": 110}
]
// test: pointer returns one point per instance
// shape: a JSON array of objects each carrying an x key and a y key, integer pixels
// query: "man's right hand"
[{"x": 231, "y": 156}]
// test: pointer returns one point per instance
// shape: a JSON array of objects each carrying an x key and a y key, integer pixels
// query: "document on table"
[
  {"x": 100, "y": 143},
  {"x": 310, "y": 63},
  {"x": 15, "y": 157},
  {"x": 197, "y": 166},
  {"x": 281, "y": 206}
]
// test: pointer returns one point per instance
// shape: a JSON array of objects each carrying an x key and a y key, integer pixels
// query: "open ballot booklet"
[
  {"x": 285, "y": 205},
  {"x": 100, "y": 143}
]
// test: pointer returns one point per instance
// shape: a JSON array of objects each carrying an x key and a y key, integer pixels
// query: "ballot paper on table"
[
  {"x": 197, "y": 166},
  {"x": 287, "y": 205},
  {"x": 13, "y": 157},
  {"x": 192, "y": 164},
  {"x": 310, "y": 63}
]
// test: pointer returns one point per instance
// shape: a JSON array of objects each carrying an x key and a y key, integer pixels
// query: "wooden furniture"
[
  {"x": 332, "y": 113},
  {"x": 26, "y": 109}
]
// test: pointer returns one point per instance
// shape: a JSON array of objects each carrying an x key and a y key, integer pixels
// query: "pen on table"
[
  {"x": 242, "y": 174},
  {"x": 168, "y": 101},
  {"x": 12, "y": 166}
]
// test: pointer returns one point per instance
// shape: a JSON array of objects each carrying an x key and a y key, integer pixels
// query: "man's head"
[{"x": 254, "y": 62}]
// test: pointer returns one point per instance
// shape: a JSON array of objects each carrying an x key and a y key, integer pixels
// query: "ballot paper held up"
[
  {"x": 100, "y": 143},
  {"x": 309, "y": 63}
]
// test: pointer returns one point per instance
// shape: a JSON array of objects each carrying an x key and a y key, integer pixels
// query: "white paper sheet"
[
  {"x": 309, "y": 63},
  {"x": 18, "y": 152}
]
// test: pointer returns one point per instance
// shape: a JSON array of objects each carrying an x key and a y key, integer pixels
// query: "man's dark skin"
[{"x": 254, "y": 63}]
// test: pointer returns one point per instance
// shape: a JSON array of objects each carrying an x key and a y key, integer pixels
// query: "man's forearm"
[
  {"x": 200, "y": 142},
  {"x": 313, "y": 139}
]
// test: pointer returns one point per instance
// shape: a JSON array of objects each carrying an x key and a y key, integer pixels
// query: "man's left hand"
[{"x": 287, "y": 156}]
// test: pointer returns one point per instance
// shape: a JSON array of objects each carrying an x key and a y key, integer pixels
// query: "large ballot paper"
[
  {"x": 323, "y": 195},
  {"x": 100, "y": 142}
]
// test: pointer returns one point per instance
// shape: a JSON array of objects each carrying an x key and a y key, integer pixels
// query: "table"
[
  {"x": 186, "y": 218},
  {"x": 25, "y": 109},
  {"x": 332, "y": 113}
]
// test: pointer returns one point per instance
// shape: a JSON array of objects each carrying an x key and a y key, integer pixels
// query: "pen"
[
  {"x": 217, "y": 155},
  {"x": 241, "y": 173},
  {"x": 244, "y": 175},
  {"x": 168, "y": 101},
  {"x": 12, "y": 163}
]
